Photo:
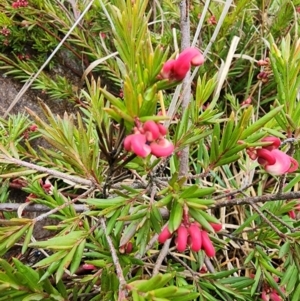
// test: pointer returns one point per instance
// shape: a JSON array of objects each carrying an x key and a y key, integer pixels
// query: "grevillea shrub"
[{"x": 174, "y": 176}]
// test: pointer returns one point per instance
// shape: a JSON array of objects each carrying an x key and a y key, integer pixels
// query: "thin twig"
[
  {"x": 55, "y": 173},
  {"x": 42, "y": 216},
  {"x": 194, "y": 274},
  {"x": 257, "y": 209},
  {"x": 263, "y": 198},
  {"x": 163, "y": 253},
  {"x": 34, "y": 77},
  {"x": 292, "y": 229},
  {"x": 122, "y": 285}
]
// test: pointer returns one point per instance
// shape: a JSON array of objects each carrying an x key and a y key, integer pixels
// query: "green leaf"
[
  {"x": 77, "y": 258},
  {"x": 27, "y": 238},
  {"x": 60, "y": 242},
  {"x": 105, "y": 203},
  {"x": 260, "y": 122},
  {"x": 28, "y": 276},
  {"x": 64, "y": 264},
  {"x": 33, "y": 297},
  {"x": 175, "y": 216}
]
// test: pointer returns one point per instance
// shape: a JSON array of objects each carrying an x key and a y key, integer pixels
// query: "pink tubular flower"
[
  {"x": 272, "y": 159},
  {"x": 147, "y": 139},
  {"x": 177, "y": 69},
  {"x": 207, "y": 245},
  {"x": 137, "y": 144},
  {"x": 283, "y": 162}
]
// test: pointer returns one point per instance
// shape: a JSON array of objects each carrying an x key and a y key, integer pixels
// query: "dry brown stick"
[
  {"x": 163, "y": 253},
  {"x": 42, "y": 216},
  {"x": 122, "y": 285},
  {"x": 55, "y": 173},
  {"x": 257, "y": 209},
  {"x": 263, "y": 199}
]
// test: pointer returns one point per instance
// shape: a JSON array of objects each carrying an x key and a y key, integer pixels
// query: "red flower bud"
[
  {"x": 216, "y": 227},
  {"x": 164, "y": 235},
  {"x": 128, "y": 247},
  {"x": 182, "y": 237},
  {"x": 207, "y": 245},
  {"x": 274, "y": 296},
  {"x": 275, "y": 142},
  {"x": 195, "y": 237},
  {"x": 292, "y": 214},
  {"x": 88, "y": 266}
]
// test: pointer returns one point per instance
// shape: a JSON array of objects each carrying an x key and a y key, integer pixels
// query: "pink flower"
[
  {"x": 177, "y": 69},
  {"x": 87, "y": 266},
  {"x": 272, "y": 159},
  {"x": 147, "y": 139},
  {"x": 276, "y": 162},
  {"x": 137, "y": 144}
]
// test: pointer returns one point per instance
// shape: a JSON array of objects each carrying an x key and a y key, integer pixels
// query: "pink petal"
[
  {"x": 88, "y": 266},
  {"x": 294, "y": 165},
  {"x": 153, "y": 129},
  {"x": 292, "y": 214},
  {"x": 265, "y": 157},
  {"x": 127, "y": 143},
  {"x": 167, "y": 69},
  {"x": 139, "y": 146},
  {"x": 207, "y": 245},
  {"x": 282, "y": 165},
  {"x": 163, "y": 131},
  {"x": 193, "y": 55},
  {"x": 264, "y": 296},
  {"x": 182, "y": 237},
  {"x": 275, "y": 142},
  {"x": 162, "y": 148},
  {"x": 195, "y": 237}
]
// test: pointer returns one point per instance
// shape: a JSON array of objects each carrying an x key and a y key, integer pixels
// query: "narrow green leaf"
[
  {"x": 175, "y": 216},
  {"x": 77, "y": 258},
  {"x": 27, "y": 238}
]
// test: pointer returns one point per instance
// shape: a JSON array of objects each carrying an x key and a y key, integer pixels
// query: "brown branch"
[
  {"x": 264, "y": 198},
  {"x": 163, "y": 253},
  {"x": 55, "y": 173},
  {"x": 86, "y": 193},
  {"x": 122, "y": 292},
  {"x": 186, "y": 85}
]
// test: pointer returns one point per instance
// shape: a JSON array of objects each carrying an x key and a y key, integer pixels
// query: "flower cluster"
[
  {"x": 149, "y": 139},
  {"x": 193, "y": 235},
  {"x": 269, "y": 293},
  {"x": 272, "y": 159},
  {"x": 5, "y": 31},
  {"x": 20, "y": 3},
  {"x": 176, "y": 70}
]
